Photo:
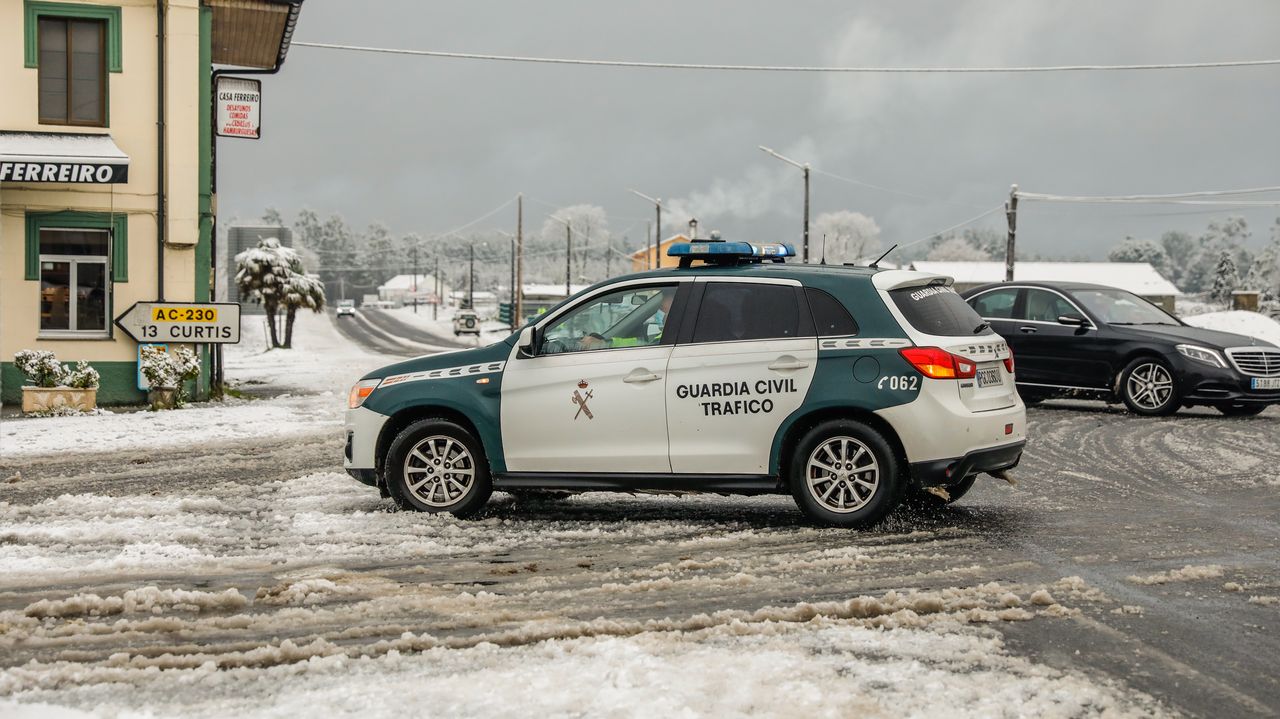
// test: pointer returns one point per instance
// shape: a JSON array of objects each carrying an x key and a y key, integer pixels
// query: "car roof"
[{"x": 1068, "y": 286}]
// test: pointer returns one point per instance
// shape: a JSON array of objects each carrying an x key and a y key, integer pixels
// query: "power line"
[
  {"x": 956, "y": 226},
  {"x": 1181, "y": 198},
  {"x": 783, "y": 68},
  {"x": 890, "y": 190}
]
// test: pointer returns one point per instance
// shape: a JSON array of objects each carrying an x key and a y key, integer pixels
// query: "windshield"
[{"x": 1117, "y": 307}]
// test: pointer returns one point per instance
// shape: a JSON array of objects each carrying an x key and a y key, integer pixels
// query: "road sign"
[
  {"x": 190, "y": 322},
  {"x": 504, "y": 312}
]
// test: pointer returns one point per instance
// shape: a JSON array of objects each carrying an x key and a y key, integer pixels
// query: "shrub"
[
  {"x": 83, "y": 376},
  {"x": 164, "y": 370},
  {"x": 41, "y": 368}
]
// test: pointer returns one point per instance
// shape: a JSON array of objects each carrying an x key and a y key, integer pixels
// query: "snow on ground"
[
  {"x": 1241, "y": 322},
  {"x": 825, "y": 669},
  {"x": 314, "y": 378}
]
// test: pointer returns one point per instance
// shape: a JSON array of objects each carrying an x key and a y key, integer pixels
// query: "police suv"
[{"x": 851, "y": 388}]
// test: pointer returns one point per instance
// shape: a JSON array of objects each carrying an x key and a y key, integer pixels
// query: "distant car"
[
  {"x": 1073, "y": 338},
  {"x": 466, "y": 322},
  {"x": 346, "y": 308}
]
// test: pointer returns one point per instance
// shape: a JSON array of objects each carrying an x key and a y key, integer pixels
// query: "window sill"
[{"x": 69, "y": 335}]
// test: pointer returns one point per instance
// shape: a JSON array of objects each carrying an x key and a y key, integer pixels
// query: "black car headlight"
[{"x": 1202, "y": 354}]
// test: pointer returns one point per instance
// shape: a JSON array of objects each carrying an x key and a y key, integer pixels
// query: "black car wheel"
[
  {"x": 435, "y": 465},
  {"x": 845, "y": 474},
  {"x": 1149, "y": 387},
  {"x": 1241, "y": 410}
]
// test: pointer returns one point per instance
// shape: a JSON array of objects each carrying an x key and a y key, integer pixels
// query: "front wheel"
[
  {"x": 845, "y": 474},
  {"x": 435, "y": 465},
  {"x": 1148, "y": 387}
]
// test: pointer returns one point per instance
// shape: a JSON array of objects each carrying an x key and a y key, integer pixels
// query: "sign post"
[
  {"x": 182, "y": 322},
  {"x": 238, "y": 102}
]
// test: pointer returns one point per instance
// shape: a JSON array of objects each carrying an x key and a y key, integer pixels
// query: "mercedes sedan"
[{"x": 1073, "y": 339}]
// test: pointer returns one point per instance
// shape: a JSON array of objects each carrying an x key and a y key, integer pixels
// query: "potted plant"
[
  {"x": 53, "y": 386},
  {"x": 166, "y": 374}
]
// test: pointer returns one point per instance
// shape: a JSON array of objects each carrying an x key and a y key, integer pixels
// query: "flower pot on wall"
[
  {"x": 48, "y": 399},
  {"x": 162, "y": 397}
]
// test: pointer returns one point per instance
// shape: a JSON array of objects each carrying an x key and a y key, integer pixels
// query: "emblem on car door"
[{"x": 580, "y": 399}]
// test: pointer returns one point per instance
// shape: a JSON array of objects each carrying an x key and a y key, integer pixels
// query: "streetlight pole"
[
  {"x": 804, "y": 167},
  {"x": 568, "y": 252},
  {"x": 657, "y": 235},
  {"x": 471, "y": 280}
]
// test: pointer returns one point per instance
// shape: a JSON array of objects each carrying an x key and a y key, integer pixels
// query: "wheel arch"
[
  {"x": 1135, "y": 353},
  {"x": 789, "y": 436},
  {"x": 408, "y": 415}
]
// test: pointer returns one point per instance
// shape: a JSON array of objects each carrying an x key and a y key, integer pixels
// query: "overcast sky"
[{"x": 425, "y": 144}]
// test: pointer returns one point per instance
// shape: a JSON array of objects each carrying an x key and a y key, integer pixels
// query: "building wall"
[{"x": 131, "y": 120}]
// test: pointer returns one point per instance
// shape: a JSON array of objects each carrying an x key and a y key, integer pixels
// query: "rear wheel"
[
  {"x": 435, "y": 465},
  {"x": 1241, "y": 410},
  {"x": 845, "y": 474},
  {"x": 1148, "y": 387}
]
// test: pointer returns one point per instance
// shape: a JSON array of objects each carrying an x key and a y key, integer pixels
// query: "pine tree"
[{"x": 1225, "y": 278}]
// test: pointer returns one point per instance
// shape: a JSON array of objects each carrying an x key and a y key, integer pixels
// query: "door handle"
[
  {"x": 1027, "y": 329},
  {"x": 787, "y": 362},
  {"x": 640, "y": 376}
]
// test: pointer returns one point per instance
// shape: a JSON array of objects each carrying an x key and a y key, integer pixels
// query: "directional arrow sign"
[{"x": 189, "y": 322}]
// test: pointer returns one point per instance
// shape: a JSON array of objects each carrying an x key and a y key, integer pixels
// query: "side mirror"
[
  {"x": 528, "y": 342},
  {"x": 1073, "y": 320}
]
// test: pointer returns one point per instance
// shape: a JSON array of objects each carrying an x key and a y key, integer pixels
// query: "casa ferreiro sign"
[
  {"x": 103, "y": 173},
  {"x": 238, "y": 103},
  {"x": 182, "y": 322}
]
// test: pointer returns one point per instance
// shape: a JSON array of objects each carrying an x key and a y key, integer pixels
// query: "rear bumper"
[{"x": 941, "y": 472}]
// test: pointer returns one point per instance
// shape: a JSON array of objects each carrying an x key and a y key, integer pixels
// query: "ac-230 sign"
[{"x": 194, "y": 322}]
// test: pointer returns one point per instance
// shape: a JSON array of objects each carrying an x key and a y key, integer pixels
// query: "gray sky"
[{"x": 427, "y": 144}]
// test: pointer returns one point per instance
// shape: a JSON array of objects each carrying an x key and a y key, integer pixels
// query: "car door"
[
  {"x": 743, "y": 367},
  {"x": 1054, "y": 353},
  {"x": 592, "y": 397}
]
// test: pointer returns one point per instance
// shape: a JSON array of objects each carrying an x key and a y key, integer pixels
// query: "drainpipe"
[{"x": 161, "y": 175}]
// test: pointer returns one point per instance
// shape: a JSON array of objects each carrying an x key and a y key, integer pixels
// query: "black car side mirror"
[{"x": 1072, "y": 319}]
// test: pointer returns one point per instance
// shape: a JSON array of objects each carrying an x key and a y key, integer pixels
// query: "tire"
[
  {"x": 1242, "y": 410},
  {"x": 925, "y": 499},
  {"x": 856, "y": 445},
  {"x": 1149, "y": 387},
  {"x": 426, "y": 465}
]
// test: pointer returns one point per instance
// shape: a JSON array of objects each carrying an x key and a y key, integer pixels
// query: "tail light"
[
  {"x": 937, "y": 363},
  {"x": 1008, "y": 362}
]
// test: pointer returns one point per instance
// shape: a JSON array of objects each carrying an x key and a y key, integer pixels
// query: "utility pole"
[
  {"x": 804, "y": 167},
  {"x": 435, "y": 277},
  {"x": 514, "y": 324},
  {"x": 414, "y": 284},
  {"x": 657, "y": 233},
  {"x": 517, "y": 311},
  {"x": 568, "y": 251},
  {"x": 1011, "y": 214},
  {"x": 471, "y": 279},
  {"x": 342, "y": 285},
  {"x": 648, "y": 233}
]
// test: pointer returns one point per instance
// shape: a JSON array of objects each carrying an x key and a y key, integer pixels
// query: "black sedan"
[{"x": 1074, "y": 338}]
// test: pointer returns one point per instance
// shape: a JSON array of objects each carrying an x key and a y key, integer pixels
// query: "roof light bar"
[{"x": 713, "y": 251}]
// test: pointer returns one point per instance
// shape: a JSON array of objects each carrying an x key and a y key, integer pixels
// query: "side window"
[
  {"x": 733, "y": 312},
  {"x": 1045, "y": 306},
  {"x": 831, "y": 317},
  {"x": 632, "y": 317},
  {"x": 997, "y": 304}
]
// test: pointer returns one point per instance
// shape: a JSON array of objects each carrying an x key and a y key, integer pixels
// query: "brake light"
[
  {"x": 937, "y": 363},
  {"x": 1008, "y": 362}
]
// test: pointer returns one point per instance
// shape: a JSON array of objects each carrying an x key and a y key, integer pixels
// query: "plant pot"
[
  {"x": 162, "y": 397},
  {"x": 48, "y": 399}
]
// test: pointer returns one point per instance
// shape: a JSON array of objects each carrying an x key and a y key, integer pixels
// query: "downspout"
[{"x": 161, "y": 176}]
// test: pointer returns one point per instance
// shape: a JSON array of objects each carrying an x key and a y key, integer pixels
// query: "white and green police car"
[{"x": 851, "y": 388}]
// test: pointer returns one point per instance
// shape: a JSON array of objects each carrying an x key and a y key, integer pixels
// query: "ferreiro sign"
[
  {"x": 239, "y": 107},
  {"x": 91, "y": 173},
  {"x": 192, "y": 322}
]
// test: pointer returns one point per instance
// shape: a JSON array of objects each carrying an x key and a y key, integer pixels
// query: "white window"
[{"x": 75, "y": 287}]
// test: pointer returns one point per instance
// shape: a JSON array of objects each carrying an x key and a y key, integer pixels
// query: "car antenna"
[
  {"x": 876, "y": 265},
  {"x": 823, "y": 260}
]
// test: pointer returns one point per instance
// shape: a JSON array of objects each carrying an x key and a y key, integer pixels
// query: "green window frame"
[
  {"x": 117, "y": 223},
  {"x": 33, "y": 10}
]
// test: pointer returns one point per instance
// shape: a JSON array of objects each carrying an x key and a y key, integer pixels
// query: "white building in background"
[
  {"x": 402, "y": 289},
  {"x": 1140, "y": 278}
]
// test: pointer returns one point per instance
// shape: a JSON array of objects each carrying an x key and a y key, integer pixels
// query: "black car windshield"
[{"x": 1117, "y": 307}]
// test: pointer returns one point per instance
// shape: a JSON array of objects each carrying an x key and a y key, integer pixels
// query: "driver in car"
[{"x": 596, "y": 341}]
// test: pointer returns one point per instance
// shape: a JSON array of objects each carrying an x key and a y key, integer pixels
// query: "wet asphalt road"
[{"x": 1104, "y": 496}]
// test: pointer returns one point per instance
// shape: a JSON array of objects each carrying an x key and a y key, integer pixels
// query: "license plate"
[
  {"x": 1265, "y": 383},
  {"x": 989, "y": 377}
]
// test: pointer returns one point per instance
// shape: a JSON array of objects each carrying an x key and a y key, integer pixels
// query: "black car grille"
[{"x": 1256, "y": 362}]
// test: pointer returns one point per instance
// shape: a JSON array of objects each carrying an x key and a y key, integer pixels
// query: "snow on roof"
[
  {"x": 1139, "y": 278},
  {"x": 60, "y": 147},
  {"x": 405, "y": 282}
]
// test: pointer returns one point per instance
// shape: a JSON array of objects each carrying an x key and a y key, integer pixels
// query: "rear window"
[
  {"x": 938, "y": 310},
  {"x": 832, "y": 319}
]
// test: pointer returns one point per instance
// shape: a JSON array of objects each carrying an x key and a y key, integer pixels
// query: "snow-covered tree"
[
  {"x": 589, "y": 227},
  {"x": 850, "y": 236},
  {"x": 957, "y": 249},
  {"x": 1180, "y": 252},
  {"x": 1134, "y": 250},
  {"x": 301, "y": 291},
  {"x": 271, "y": 216},
  {"x": 263, "y": 276},
  {"x": 1264, "y": 272},
  {"x": 379, "y": 255},
  {"x": 1225, "y": 278}
]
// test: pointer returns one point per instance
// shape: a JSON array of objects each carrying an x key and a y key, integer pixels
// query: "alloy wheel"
[
  {"x": 439, "y": 471},
  {"x": 842, "y": 474},
  {"x": 1149, "y": 386}
]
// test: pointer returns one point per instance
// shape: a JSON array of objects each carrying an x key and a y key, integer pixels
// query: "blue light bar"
[{"x": 727, "y": 250}]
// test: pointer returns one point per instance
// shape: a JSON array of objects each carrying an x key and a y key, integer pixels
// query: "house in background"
[{"x": 1140, "y": 278}]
